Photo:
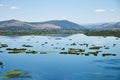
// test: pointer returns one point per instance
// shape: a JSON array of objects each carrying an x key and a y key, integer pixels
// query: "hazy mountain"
[
  {"x": 103, "y": 26},
  {"x": 16, "y": 25},
  {"x": 64, "y": 24},
  {"x": 48, "y": 25}
]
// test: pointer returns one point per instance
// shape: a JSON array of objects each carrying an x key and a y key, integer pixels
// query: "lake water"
[{"x": 54, "y": 66}]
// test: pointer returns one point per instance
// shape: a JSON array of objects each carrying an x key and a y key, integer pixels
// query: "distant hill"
[
  {"x": 64, "y": 24},
  {"x": 16, "y": 25},
  {"x": 103, "y": 26}
]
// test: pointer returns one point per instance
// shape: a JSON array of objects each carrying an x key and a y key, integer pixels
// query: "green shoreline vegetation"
[
  {"x": 88, "y": 33},
  {"x": 103, "y": 33},
  {"x": 40, "y": 32}
]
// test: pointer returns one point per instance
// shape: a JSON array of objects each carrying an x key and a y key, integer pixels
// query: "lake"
[{"x": 60, "y": 57}]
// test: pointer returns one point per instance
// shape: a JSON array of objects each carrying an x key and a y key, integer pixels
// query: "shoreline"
[{"x": 88, "y": 33}]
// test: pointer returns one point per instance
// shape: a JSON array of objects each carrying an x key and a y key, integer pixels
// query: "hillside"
[
  {"x": 103, "y": 26},
  {"x": 64, "y": 24},
  {"x": 17, "y": 25}
]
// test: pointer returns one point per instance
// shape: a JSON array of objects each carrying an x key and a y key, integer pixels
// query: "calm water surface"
[{"x": 55, "y": 66}]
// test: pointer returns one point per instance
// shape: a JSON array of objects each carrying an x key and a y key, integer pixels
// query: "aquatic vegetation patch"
[
  {"x": 46, "y": 42},
  {"x": 1, "y": 63},
  {"x": 63, "y": 49},
  {"x": 3, "y": 45},
  {"x": 43, "y": 52},
  {"x": 16, "y": 49},
  {"x": 1, "y": 51},
  {"x": 24, "y": 45},
  {"x": 108, "y": 54},
  {"x": 95, "y": 47},
  {"x": 17, "y": 74},
  {"x": 107, "y": 47},
  {"x": 84, "y": 44},
  {"x": 63, "y": 52},
  {"x": 31, "y": 52},
  {"x": 94, "y": 53},
  {"x": 114, "y": 45},
  {"x": 73, "y": 50},
  {"x": 73, "y": 44},
  {"x": 14, "y": 52}
]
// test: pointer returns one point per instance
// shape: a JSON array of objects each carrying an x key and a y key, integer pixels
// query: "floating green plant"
[
  {"x": 42, "y": 44},
  {"x": 114, "y": 45},
  {"x": 16, "y": 49},
  {"x": 1, "y": 63},
  {"x": 84, "y": 44},
  {"x": 46, "y": 42},
  {"x": 31, "y": 52},
  {"x": 73, "y": 44},
  {"x": 63, "y": 52},
  {"x": 63, "y": 49},
  {"x": 95, "y": 47},
  {"x": 4, "y": 45},
  {"x": 43, "y": 52},
  {"x": 17, "y": 74},
  {"x": 86, "y": 54},
  {"x": 107, "y": 47},
  {"x": 117, "y": 38},
  {"x": 14, "y": 52},
  {"x": 108, "y": 54},
  {"x": 26, "y": 45},
  {"x": 73, "y": 50},
  {"x": 1, "y": 51},
  {"x": 94, "y": 53}
]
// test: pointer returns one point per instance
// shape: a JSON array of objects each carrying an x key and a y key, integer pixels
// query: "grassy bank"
[
  {"x": 39, "y": 32},
  {"x": 103, "y": 33},
  {"x": 88, "y": 33}
]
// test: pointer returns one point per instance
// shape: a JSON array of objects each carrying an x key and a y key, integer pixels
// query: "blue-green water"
[{"x": 55, "y": 66}]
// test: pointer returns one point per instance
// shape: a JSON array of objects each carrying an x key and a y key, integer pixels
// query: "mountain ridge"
[
  {"x": 17, "y": 25},
  {"x": 49, "y": 25}
]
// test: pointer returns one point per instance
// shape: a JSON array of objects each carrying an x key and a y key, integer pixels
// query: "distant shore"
[
  {"x": 88, "y": 33},
  {"x": 40, "y": 32}
]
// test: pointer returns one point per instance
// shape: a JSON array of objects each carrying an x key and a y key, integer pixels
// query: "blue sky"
[{"x": 79, "y": 11}]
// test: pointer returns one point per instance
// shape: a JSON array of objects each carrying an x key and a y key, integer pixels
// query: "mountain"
[
  {"x": 103, "y": 26},
  {"x": 16, "y": 25},
  {"x": 64, "y": 24}
]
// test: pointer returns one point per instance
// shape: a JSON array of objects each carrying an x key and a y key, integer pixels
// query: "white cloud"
[
  {"x": 14, "y": 8},
  {"x": 104, "y": 10},
  {"x": 100, "y": 10},
  {"x": 1, "y": 5}
]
